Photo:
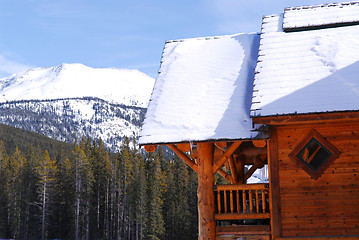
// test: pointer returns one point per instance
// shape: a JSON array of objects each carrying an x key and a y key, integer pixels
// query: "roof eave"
[{"x": 293, "y": 118}]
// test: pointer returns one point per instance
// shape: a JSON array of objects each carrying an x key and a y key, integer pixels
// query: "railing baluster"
[
  {"x": 225, "y": 201},
  {"x": 250, "y": 201},
  {"x": 219, "y": 201},
  {"x": 257, "y": 201},
  {"x": 244, "y": 201},
  {"x": 231, "y": 199},
  {"x": 263, "y": 201},
  {"x": 238, "y": 206}
]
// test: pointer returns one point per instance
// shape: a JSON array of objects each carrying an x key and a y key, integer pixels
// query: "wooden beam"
[
  {"x": 254, "y": 167},
  {"x": 240, "y": 162},
  {"x": 184, "y": 147},
  {"x": 294, "y": 119},
  {"x": 254, "y": 186},
  {"x": 221, "y": 145},
  {"x": 150, "y": 148},
  {"x": 234, "y": 172},
  {"x": 252, "y": 151},
  {"x": 239, "y": 216},
  {"x": 243, "y": 229},
  {"x": 205, "y": 193},
  {"x": 225, "y": 175},
  {"x": 184, "y": 157},
  {"x": 274, "y": 190},
  {"x": 259, "y": 143},
  {"x": 225, "y": 155}
]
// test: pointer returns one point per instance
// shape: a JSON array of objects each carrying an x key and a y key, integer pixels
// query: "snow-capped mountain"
[
  {"x": 69, "y": 101},
  {"x": 120, "y": 86}
]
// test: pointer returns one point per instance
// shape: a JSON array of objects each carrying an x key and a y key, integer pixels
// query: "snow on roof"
[
  {"x": 319, "y": 16},
  {"x": 203, "y": 91},
  {"x": 306, "y": 71}
]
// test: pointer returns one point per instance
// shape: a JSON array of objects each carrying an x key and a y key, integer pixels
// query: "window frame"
[{"x": 313, "y": 134}]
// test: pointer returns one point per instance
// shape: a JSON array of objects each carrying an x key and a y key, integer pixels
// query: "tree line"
[{"x": 89, "y": 193}]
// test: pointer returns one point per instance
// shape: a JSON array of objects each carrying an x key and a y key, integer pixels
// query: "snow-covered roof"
[
  {"x": 320, "y": 16},
  {"x": 310, "y": 71},
  {"x": 203, "y": 91}
]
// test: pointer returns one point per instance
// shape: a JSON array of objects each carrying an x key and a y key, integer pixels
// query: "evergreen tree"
[
  {"x": 47, "y": 173},
  {"x": 157, "y": 187},
  {"x": 193, "y": 200},
  {"x": 15, "y": 191},
  {"x": 82, "y": 181},
  {"x": 169, "y": 210},
  {"x": 30, "y": 229},
  {"x": 177, "y": 209},
  {"x": 139, "y": 194},
  {"x": 101, "y": 168},
  {"x": 4, "y": 160},
  {"x": 126, "y": 174},
  {"x": 92, "y": 194},
  {"x": 63, "y": 217},
  {"x": 182, "y": 212}
]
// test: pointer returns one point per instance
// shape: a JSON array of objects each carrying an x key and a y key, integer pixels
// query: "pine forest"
[{"x": 82, "y": 191}]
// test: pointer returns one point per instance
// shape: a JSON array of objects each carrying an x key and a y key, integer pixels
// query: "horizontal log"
[
  {"x": 240, "y": 216},
  {"x": 320, "y": 203},
  {"x": 319, "y": 231},
  {"x": 259, "y": 143},
  {"x": 314, "y": 118},
  {"x": 243, "y": 229},
  {"x": 246, "y": 237},
  {"x": 320, "y": 194},
  {"x": 323, "y": 238},
  {"x": 316, "y": 220},
  {"x": 256, "y": 186},
  {"x": 251, "y": 151},
  {"x": 321, "y": 214}
]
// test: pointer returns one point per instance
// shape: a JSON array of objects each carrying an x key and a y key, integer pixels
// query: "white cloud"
[{"x": 9, "y": 67}]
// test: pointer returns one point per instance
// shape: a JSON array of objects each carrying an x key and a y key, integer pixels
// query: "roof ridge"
[
  {"x": 342, "y": 4},
  {"x": 208, "y": 37}
]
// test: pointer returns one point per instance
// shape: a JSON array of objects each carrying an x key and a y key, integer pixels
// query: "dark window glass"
[{"x": 314, "y": 154}]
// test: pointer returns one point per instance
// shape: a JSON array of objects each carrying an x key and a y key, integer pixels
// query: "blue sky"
[{"x": 118, "y": 33}]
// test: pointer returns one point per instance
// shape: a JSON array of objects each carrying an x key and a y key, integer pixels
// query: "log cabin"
[{"x": 286, "y": 99}]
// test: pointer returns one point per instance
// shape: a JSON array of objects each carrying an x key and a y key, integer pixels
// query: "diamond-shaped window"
[{"x": 314, "y": 154}]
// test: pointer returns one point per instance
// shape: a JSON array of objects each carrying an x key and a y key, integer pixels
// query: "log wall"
[{"x": 328, "y": 206}]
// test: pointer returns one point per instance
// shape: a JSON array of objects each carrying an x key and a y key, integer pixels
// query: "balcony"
[{"x": 242, "y": 211}]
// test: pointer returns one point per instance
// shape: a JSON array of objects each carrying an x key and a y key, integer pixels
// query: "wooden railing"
[{"x": 244, "y": 201}]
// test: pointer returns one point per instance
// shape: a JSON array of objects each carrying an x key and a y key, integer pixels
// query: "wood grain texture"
[{"x": 328, "y": 206}]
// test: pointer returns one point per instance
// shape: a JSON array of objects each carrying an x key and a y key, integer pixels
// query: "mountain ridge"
[
  {"x": 81, "y": 112},
  {"x": 77, "y": 80}
]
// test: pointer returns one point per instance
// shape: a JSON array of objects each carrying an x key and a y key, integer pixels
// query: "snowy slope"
[
  {"x": 70, "y": 101},
  {"x": 306, "y": 71},
  {"x": 320, "y": 15},
  {"x": 71, "y": 119},
  {"x": 203, "y": 91},
  {"x": 120, "y": 86}
]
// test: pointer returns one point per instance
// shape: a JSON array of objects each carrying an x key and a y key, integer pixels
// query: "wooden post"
[
  {"x": 206, "y": 221},
  {"x": 240, "y": 168},
  {"x": 274, "y": 190}
]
